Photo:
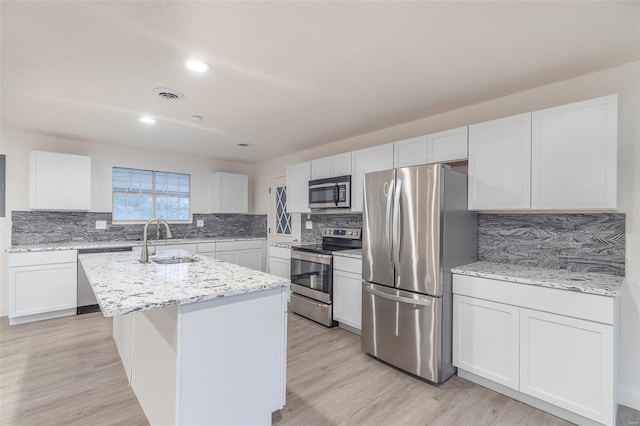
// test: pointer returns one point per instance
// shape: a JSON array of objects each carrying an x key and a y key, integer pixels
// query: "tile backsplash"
[
  {"x": 44, "y": 227},
  {"x": 321, "y": 221},
  {"x": 576, "y": 242}
]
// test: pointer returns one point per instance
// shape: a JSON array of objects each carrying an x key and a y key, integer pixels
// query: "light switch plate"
[
  {"x": 308, "y": 224},
  {"x": 101, "y": 224},
  {"x": 199, "y": 223}
]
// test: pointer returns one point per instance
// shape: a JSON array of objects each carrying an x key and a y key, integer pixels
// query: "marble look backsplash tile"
[
  {"x": 321, "y": 221},
  {"x": 44, "y": 227},
  {"x": 575, "y": 242}
]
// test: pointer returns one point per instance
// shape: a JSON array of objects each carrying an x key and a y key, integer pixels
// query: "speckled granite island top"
[
  {"x": 122, "y": 284},
  {"x": 587, "y": 282}
]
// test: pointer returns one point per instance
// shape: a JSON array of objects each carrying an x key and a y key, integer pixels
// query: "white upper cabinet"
[
  {"x": 364, "y": 161},
  {"x": 574, "y": 156},
  {"x": 298, "y": 176},
  {"x": 335, "y": 165},
  {"x": 410, "y": 152},
  {"x": 500, "y": 164},
  {"x": 230, "y": 193},
  {"x": 440, "y": 147},
  {"x": 60, "y": 181},
  {"x": 450, "y": 145}
]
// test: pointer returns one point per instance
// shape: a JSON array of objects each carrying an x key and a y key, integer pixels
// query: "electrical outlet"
[
  {"x": 101, "y": 224},
  {"x": 308, "y": 224},
  {"x": 199, "y": 223}
]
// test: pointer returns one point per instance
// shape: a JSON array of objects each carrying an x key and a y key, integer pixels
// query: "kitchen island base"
[{"x": 214, "y": 362}]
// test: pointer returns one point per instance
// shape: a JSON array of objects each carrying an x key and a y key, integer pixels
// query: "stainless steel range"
[{"x": 312, "y": 273}]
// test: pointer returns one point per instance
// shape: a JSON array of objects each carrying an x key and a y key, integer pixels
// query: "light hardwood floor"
[{"x": 67, "y": 372}]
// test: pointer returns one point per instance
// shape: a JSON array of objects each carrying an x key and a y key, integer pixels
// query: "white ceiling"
[{"x": 286, "y": 75}]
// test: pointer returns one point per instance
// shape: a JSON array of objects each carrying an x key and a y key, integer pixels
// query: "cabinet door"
[
  {"x": 280, "y": 267},
  {"x": 321, "y": 168},
  {"x": 568, "y": 362},
  {"x": 44, "y": 288},
  {"x": 450, "y": 145},
  {"x": 230, "y": 256},
  {"x": 485, "y": 339},
  {"x": 410, "y": 152},
  {"x": 574, "y": 156},
  {"x": 347, "y": 298},
  {"x": 500, "y": 164},
  {"x": 252, "y": 259},
  {"x": 60, "y": 181},
  {"x": 298, "y": 176},
  {"x": 364, "y": 161},
  {"x": 230, "y": 193},
  {"x": 341, "y": 164}
]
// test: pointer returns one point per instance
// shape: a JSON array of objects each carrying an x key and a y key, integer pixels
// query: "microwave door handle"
[{"x": 336, "y": 191}]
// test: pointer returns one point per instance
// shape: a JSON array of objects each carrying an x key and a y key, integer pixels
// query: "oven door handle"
[{"x": 324, "y": 259}]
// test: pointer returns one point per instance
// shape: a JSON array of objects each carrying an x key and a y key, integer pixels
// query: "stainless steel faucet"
[{"x": 144, "y": 254}]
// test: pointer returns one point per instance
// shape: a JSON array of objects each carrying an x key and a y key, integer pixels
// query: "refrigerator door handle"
[
  {"x": 388, "y": 192},
  {"x": 409, "y": 300},
  {"x": 396, "y": 224}
]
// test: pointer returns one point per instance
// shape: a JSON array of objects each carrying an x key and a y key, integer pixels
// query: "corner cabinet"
[
  {"x": 500, "y": 164},
  {"x": 59, "y": 181},
  {"x": 298, "y": 176},
  {"x": 364, "y": 161},
  {"x": 550, "y": 348},
  {"x": 574, "y": 156},
  {"x": 42, "y": 285},
  {"x": 230, "y": 193}
]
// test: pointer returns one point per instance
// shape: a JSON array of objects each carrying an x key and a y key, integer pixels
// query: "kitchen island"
[{"x": 202, "y": 341}]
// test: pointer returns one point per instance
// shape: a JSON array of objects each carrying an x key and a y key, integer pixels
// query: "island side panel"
[
  {"x": 232, "y": 352},
  {"x": 153, "y": 363},
  {"x": 123, "y": 337}
]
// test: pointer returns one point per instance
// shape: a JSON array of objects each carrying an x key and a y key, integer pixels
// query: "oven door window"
[{"x": 315, "y": 276}]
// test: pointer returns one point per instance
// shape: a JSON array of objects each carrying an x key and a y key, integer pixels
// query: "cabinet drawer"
[
  {"x": 569, "y": 303},
  {"x": 348, "y": 264},
  {"x": 238, "y": 245},
  {"x": 280, "y": 252},
  {"x": 206, "y": 247},
  {"x": 43, "y": 258}
]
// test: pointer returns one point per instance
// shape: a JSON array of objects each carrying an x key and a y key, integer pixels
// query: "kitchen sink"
[{"x": 173, "y": 260}]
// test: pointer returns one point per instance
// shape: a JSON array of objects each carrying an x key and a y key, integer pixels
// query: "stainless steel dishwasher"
[{"x": 87, "y": 302}]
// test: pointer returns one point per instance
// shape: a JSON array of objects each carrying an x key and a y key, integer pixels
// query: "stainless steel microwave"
[{"x": 330, "y": 193}]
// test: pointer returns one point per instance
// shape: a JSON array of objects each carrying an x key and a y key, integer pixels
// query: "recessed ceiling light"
[
  {"x": 196, "y": 118},
  {"x": 147, "y": 119},
  {"x": 197, "y": 65},
  {"x": 243, "y": 144}
]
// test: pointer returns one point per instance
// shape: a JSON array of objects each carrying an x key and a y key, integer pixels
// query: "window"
[
  {"x": 283, "y": 219},
  {"x": 144, "y": 194}
]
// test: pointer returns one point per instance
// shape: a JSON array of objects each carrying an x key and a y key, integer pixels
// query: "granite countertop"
[
  {"x": 78, "y": 245},
  {"x": 354, "y": 253},
  {"x": 584, "y": 282},
  {"x": 122, "y": 284}
]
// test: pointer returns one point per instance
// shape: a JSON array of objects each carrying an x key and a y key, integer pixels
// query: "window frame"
[{"x": 154, "y": 213}]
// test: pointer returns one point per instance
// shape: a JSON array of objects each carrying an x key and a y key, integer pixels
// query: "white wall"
[
  {"x": 17, "y": 146},
  {"x": 624, "y": 80}
]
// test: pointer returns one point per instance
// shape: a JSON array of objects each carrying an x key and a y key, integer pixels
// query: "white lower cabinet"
[
  {"x": 347, "y": 291},
  {"x": 280, "y": 261},
  {"x": 247, "y": 253},
  {"x": 485, "y": 339},
  {"x": 42, "y": 285},
  {"x": 568, "y": 362},
  {"x": 553, "y": 349}
]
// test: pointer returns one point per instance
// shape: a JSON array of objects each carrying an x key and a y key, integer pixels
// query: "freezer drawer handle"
[{"x": 423, "y": 302}]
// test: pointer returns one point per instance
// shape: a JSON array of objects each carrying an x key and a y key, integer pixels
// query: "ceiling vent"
[{"x": 168, "y": 94}]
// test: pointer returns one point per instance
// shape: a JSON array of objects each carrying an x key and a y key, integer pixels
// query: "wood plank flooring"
[{"x": 67, "y": 372}]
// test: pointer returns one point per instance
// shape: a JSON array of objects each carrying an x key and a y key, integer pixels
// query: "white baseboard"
[
  {"x": 629, "y": 397},
  {"x": 4, "y": 310}
]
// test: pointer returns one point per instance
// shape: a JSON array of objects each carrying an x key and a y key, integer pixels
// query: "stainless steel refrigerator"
[{"x": 416, "y": 227}]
